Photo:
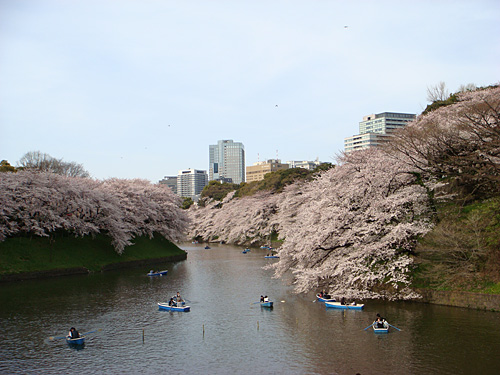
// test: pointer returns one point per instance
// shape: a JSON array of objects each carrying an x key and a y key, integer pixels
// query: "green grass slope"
[{"x": 25, "y": 254}]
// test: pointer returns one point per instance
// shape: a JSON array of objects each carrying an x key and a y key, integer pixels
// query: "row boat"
[
  {"x": 266, "y": 304},
  {"x": 322, "y": 299},
  {"x": 166, "y": 307},
  {"x": 158, "y": 273},
  {"x": 383, "y": 329},
  {"x": 338, "y": 305},
  {"x": 78, "y": 341},
  {"x": 271, "y": 256}
]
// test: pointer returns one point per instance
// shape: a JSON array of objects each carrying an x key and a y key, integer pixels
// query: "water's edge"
[
  {"x": 82, "y": 270},
  {"x": 470, "y": 300}
]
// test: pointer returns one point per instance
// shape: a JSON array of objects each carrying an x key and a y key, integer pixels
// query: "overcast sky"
[{"x": 140, "y": 89}]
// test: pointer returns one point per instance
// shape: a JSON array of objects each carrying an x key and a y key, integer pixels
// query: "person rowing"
[
  {"x": 73, "y": 333},
  {"x": 379, "y": 322}
]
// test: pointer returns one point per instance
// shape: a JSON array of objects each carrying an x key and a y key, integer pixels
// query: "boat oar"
[
  {"x": 86, "y": 333},
  {"x": 394, "y": 327},
  {"x": 52, "y": 338},
  {"x": 368, "y": 326}
]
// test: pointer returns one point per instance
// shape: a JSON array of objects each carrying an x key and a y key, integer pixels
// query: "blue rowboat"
[
  {"x": 158, "y": 273},
  {"x": 78, "y": 341},
  {"x": 322, "y": 299},
  {"x": 246, "y": 251},
  {"x": 166, "y": 307},
  {"x": 378, "y": 329},
  {"x": 271, "y": 256},
  {"x": 266, "y": 304},
  {"x": 338, "y": 305},
  {"x": 207, "y": 247}
]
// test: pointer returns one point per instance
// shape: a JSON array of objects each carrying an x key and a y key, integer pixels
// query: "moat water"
[{"x": 226, "y": 332}]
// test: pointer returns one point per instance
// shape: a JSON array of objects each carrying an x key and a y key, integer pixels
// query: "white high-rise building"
[
  {"x": 376, "y": 129},
  {"x": 310, "y": 165},
  {"x": 227, "y": 161},
  {"x": 190, "y": 183}
]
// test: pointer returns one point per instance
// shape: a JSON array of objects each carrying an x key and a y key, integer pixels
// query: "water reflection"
[{"x": 226, "y": 332}]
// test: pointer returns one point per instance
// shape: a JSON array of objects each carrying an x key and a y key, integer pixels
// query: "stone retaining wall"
[{"x": 490, "y": 302}]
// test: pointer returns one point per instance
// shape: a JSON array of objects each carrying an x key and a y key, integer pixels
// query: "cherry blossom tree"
[
  {"x": 41, "y": 203},
  {"x": 459, "y": 143},
  {"x": 239, "y": 221},
  {"x": 353, "y": 229}
]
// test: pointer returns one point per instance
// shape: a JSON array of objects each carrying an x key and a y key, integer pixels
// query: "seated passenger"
[{"x": 179, "y": 298}]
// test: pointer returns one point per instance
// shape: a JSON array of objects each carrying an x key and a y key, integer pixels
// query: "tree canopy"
[
  {"x": 36, "y": 160},
  {"x": 6, "y": 167},
  {"x": 42, "y": 203},
  {"x": 459, "y": 144},
  {"x": 351, "y": 229}
]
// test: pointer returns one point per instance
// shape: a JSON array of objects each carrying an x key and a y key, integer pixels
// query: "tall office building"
[
  {"x": 227, "y": 161},
  {"x": 190, "y": 183},
  {"x": 376, "y": 129}
]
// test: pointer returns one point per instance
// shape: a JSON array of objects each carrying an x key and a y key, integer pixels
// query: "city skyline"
[{"x": 138, "y": 90}]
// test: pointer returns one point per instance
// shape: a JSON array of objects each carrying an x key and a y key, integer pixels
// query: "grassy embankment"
[
  {"x": 25, "y": 254},
  {"x": 462, "y": 252}
]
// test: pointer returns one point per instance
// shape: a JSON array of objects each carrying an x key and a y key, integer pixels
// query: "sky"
[{"x": 140, "y": 89}]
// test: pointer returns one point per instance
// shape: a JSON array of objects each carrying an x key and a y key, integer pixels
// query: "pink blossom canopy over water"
[{"x": 351, "y": 229}]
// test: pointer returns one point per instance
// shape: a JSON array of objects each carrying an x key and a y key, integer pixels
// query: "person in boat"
[
  {"x": 171, "y": 302},
  {"x": 342, "y": 301},
  {"x": 261, "y": 298},
  {"x": 73, "y": 333},
  {"x": 178, "y": 298},
  {"x": 379, "y": 321},
  {"x": 266, "y": 299}
]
